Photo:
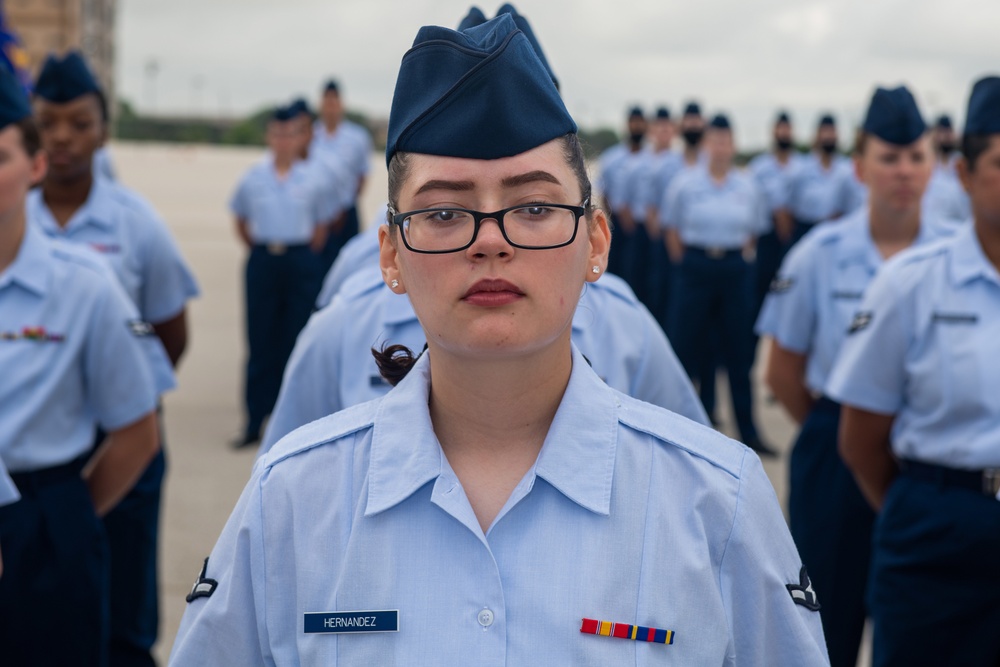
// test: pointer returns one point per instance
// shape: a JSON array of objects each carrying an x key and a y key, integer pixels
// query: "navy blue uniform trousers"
[
  {"x": 716, "y": 295},
  {"x": 53, "y": 592},
  {"x": 337, "y": 239},
  {"x": 281, "y": 290},
  {"x": 832, "y": 526},
  {"x": 935, "y": 576}
]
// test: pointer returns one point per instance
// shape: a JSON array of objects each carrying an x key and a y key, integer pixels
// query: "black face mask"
[
  {"x": 946, "y": 148},
  {"x": 636, "y": 137},
  {"x": 693, "y": 137},
  {"x": 828, "y": 147},
  {"x": 783, "y": 144}
]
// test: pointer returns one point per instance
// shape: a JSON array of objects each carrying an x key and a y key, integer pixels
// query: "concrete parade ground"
[{"x": 190, "y": 186}]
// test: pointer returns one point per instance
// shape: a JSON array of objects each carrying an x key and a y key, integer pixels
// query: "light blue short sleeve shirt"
[
  {"x": 70, "y": 347},
  {"x": 359, "y": 253},
  {"x": 816, "y": 194},
  {"x": 656, "y": 177},
  {"x": 350, "y": 143},
  {"x": 8, "y": 491},
  {"x": 630, "y": 514},
  {"x": 819, "y": 288},
  {"x": 710, "y": 214},
  {"x": 331, "y": 367},
  {"x": 774, "y": 178},
  {"x": 607, "y": 182},
  {"x": 281, "y": 210},
  {"x": 923, "y": 348}
]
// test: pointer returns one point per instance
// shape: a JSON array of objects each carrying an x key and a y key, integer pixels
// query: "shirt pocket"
[{"x": 963, "y": 351}]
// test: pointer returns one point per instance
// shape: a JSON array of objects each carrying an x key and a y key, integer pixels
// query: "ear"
[
  {"x": 600, "y": 243},
  {"x": 388, "y": 259},
  {"x": 39, "y": 167}
]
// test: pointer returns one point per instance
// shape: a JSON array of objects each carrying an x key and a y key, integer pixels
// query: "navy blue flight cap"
[
  {"x": 283, "y": 113},
  {"x": 523, "y": 25},
  {"x": 331, "y": 86},
  {"x": 893, "y": 116},
  {"x": 720, "y": 122},
  {"x": 943, "y": 122},
  {"x": 983, "y": 116},
  {"x": 473, "y": 18},
  {"x": 299, "y": 106},
  {"x": 663, "y": 113},
  {"x": 481, "y": 93},
  {"x": 783, "y": 117},
  {"x": 13, "y": 102},
  {"x": 827, "y": 120},
  {"x": 636, "y": 112},
  {"x": 65, "y": 79},
  {"x": 692, "y": 109}
]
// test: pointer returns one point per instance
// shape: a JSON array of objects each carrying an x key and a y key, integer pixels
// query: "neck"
[
  {"x": 826, "y": 159},
  {"x": 64, "y": 198},
  {"x": 12, "y": 226},
  {"x": 691, "y": 154},
  {"x": 331, "y": 124},
  {"x": 635, "y": 147},
  {"x": 893, "y": 230},
  {"x": 282, "y": 164},
  {"x": 718, "y": 170},
  {"x": 782, "y": 155},
  {"x": 989, "y": 241}
]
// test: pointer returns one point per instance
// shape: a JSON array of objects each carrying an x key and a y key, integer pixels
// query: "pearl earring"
[
  {"x": 596, "y": 269},
  {"x": 394, "y": 283}
]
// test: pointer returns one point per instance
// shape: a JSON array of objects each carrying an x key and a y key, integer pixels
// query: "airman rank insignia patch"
[
  {"x": 860, "y": 321},
  {"x": 637, "y": 633},
  {"x": 203, "y": 587},
  {"x": 140, "y": 329},
  {"x": 802, "y": 593},
  {"x": 781, "y": 285}
]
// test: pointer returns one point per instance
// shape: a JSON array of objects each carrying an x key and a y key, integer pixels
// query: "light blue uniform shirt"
[
  {"x": 360, "y": 252},
  {"x": 630, "y": 180},
  {"x": 774, "y": 178},
  {"x": 332, "y": 368},
  {"x": 607, "y": 183},
  {"x": 945, "y": 198},
  {"x": 708, "y": 214},
  {"x": 630, "y": 514},
  {"x": 103, "y": 167},
  {"x": 71, "y": 354},
  {"x": 350, "y": 142},
  {"x": 655, "y": 179},
  {"x": 819, "y": 288},
  {"x": 282, "y": 210},
  {"x": 924, "y": 348},
  {"x": 336, "y": 185},
  {"x": 816, "y": 194},
  {"x": 8, "y": 491}
]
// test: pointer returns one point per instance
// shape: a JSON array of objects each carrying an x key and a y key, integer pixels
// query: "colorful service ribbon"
[{"x": 625, "y": 631}]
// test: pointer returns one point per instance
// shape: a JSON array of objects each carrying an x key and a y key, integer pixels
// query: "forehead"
[
  {"x": 486, "y": 173},
  {"x": 85, "y": 104}
]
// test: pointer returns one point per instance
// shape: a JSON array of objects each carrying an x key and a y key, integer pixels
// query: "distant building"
[{"x": 45, "y": 26}]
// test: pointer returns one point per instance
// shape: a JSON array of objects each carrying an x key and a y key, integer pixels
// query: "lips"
[{"x": 492, "y": 292}]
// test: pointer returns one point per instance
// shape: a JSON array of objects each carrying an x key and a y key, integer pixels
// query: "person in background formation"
[
  {"x": 357, "y": 254},
  {"x": 282, "y": 210},
  {"x": 329, "y": 369},
  {"x": 499, "y": 446},
  {"x": 823, "y": 187},
  {"x": 945, "y": 196},
  {"x": 71, "y": 350},
  {"x": 713, "y": 217},
  {"x": 335, "y": 137},
  {"x": 807, "y": 316},
  {"x": 692, "y": 130},
  {"x": 632, "y": 210},
  {"x": 617, "y": 165},
  {"x": 920, "y": 388},
  {"x": 75, "y": 204},
  {"x": 773, "y": 171}
]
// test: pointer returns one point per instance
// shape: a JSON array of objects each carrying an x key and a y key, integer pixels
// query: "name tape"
[{"x": 337, "y": 622}]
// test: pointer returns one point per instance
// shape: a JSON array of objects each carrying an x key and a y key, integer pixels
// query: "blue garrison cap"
[
  {"x": 827, "y": 120},
  {"x": 299, "y": 106},
  {"x": 13, "y": 102},
  {"x": 893, "y": 116},
  {"x": 284, "y": 113},
  {"x": 481, "y": 93},
  {"x": 983, "y": 116},
  {"x": 663, "y": 113},
  {"x": 636, "y": 112},
  {"x": 523, "y": 25},
  {"x": 720, "y": 122},
  {"x": 473, "y": 18},
  {"x": 65, "y": 79},
  {"x": 782, "y": 117},
  {"x": 692, "y": 109},
  {"x": 331, "y": 86},
  {"x": 943, "y": 122}
]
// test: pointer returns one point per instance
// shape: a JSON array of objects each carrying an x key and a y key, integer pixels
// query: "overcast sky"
[{"x": 745, "y": 57}]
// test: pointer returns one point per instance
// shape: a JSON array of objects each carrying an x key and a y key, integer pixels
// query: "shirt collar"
[
  {"x": 857, "y": 244},
  {"x": 30, "y": 268},
  {"x": 97, "y": 209},
  {"x": 577, "y": 457},
  {"x": 968, "y": 261}
]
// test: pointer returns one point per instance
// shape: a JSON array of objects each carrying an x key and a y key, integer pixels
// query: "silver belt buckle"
[
  {"x": 276, "y": 248},
  {"x": 991, "y": 481},
  {"x": 715, "y": 253}
]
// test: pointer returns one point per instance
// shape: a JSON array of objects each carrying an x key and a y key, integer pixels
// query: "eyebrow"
[
  {"x": 454, "y": 186},
  {"x": 529, "y": 177}
]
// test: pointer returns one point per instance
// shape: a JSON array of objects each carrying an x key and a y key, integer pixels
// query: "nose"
[{"x": 490, "y": 241}]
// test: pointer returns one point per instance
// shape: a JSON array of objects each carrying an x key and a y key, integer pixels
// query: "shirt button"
[{"x": 485, "y": 618}]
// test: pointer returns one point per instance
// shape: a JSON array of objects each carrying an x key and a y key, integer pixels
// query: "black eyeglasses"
[{"x": 529, "y": 226}]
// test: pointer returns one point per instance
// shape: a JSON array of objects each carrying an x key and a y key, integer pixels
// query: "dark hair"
[
  {"x": 974, "y": 145},
  {"x": 860, "y": 139},
  {"x": 30, "y": 138},
  {"x": 395, "y": 361}
]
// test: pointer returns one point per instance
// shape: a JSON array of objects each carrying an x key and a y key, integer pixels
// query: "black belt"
[
  {"x": 986, "y": 481},
  {"x": 36, "y": 479},
  {"x": 280, "y": 248},
  {"x": 715, "y": 253}
]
